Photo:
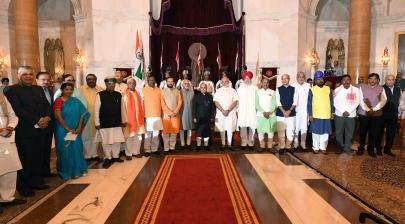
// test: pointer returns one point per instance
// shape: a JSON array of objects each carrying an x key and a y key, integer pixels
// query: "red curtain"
[{"x": 210, "y": 22}]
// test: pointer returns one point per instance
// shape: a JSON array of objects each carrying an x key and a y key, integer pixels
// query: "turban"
[
  {"x": 318, "y": 75},
  {"x": 110, "y": 80},
  {"x": 247, "y": 74}
]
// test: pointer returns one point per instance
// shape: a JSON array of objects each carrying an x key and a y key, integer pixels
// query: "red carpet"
[{"x": 197, "y": 189}]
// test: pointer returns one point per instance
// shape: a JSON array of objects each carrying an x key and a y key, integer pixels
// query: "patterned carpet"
[{"x": 379, "y": 181}]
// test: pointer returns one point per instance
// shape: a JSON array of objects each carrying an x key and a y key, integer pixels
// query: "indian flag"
[{"x": 139, "y": 56}]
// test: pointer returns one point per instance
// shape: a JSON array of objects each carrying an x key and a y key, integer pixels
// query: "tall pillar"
[
  {"x": 358, "y": 63},
  {"x": 26, "y": 33}
]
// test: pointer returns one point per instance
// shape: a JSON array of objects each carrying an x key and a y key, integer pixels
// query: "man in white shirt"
[
  {"x": 346, "y": 100},
  {"x": 247, "y": 111},
  {"x": 226, "y": 100},
  {"x": 301, "y": 117}
]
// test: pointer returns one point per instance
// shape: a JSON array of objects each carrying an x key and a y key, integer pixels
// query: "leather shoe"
[
  {"x": 106, "y": 163},
  {"x": 147, "y": 154},
  {"x": 14, "y": 202},
  {"x": 138, "y": 156},
  {"x": 118, "y": 160},
  {"x": 128, "y": 157},
  {"x": 40, "y": 187},
  {"x": 379, "y": 153},
  {"x": 388, "y": 152},
  {"x": 27, "y": 193}
]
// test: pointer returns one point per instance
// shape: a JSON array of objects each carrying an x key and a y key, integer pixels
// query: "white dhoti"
[
  {"x": 285, "y": 131},
  {"x": 153, "y": 127},
  {"x": 133, "y": 141},
  {"x": 90, "y": 149},
  {"x": 8, "y": 184},
  {"x": 111, "y": 139},
  {"x": 247, "y": 136},
  {"x": 169, "y": 141}
]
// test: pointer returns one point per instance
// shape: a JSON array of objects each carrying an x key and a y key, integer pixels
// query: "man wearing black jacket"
[
  {"x": 43, "y": 81},
  {"x": 33, "y": 110},
  {"x": 203, "y": 109},
  {"x": 390, "y": 112}
]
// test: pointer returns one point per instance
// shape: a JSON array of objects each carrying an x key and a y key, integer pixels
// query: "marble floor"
[{"x": 282, "y": 190}]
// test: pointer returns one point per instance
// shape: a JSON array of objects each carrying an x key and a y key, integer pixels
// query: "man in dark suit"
[
  {"x": 33, "y": 110},
  {"x": 203, "y": 109},
  {"x": 390, "y": 112},
  {"x": 43, "y": 81}
]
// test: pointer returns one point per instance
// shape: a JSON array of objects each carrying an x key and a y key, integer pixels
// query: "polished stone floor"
[{"x": 286, "y": 188}]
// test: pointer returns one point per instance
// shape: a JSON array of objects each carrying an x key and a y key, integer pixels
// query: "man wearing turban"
[{"x": 247, "y": 110}]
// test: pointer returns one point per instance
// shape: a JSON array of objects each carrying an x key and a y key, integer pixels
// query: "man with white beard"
[
  {"x": 301, "y": 116},
  {"x": 226, "y": 100},
  {"x": 247, "y": 111}
]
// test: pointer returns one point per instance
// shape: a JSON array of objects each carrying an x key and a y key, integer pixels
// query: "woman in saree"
[{"x": 72, "y": 117}]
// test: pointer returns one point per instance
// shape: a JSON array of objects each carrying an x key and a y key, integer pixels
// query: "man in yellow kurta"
[
  {"x": 90, "y": 90},
  {"x": 171, "y": 105},
  {"x": 152, "y": 97}
]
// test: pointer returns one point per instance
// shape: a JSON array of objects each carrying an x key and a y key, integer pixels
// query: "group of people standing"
[{"x": 122, "y": 116}]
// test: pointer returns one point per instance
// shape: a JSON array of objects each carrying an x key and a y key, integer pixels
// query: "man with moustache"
[
  {"x": 320, "y": 111},
  {"x": 90, "y": 90},
  {"x": 171, "y": 105}
]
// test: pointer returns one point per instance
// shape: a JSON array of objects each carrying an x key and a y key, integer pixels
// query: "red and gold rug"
[{"x": 197, "y": 189}]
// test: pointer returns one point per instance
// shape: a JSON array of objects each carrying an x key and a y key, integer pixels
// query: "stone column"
[
  {"x": 358, "y": 63},
  {"x": 26, "y": 33}
]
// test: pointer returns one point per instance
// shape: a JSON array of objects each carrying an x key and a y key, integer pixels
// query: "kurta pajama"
[
  {"x": 247, "y": 113},
  {"x": 109, "y": 115},
  {"x": 320, "y": 107},
  {"x": 265, "y": 101},
  {"x": 89, "y": 131},
  {"x": 133, "y": 131},
  {"x": 187, "y": 124},
  {"x": 286, "y": 97},
  {"x": 301, "y": 116},
  {"x": 171, "y": 104},
  {"x": 226, "y": 96},
  {"x": 152, "y": 98},
  {"x": 9, "y": 160}
]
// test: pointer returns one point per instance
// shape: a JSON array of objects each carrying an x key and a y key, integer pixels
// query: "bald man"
[
  {"x": 286, "y": 98},
  {"x": 32, "y": 108}
]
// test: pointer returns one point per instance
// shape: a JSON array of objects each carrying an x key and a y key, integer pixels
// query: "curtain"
[{"x": 210, "y": 22}]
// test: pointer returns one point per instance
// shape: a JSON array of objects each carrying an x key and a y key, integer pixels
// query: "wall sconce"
[
  {"x": 385, "y": 58},
  {"x": 3, "y": 63},
  {"x": 79, "y": 57},
  {"x": 313, "y": 58}
]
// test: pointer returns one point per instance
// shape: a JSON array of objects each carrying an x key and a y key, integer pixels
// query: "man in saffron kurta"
[
  {"x": 247, "y": 111},
  {"x": 171, "y": 105},
  {"x": 152, "y": 97},
  {"x": 90, "y": 91},
  {"x": 320, "y": 109},
  {"x": 135, "y": 120}
]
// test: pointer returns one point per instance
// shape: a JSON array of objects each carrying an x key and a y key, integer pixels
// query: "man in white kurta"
[
  {"x": 135, "y": 120},
  {"x": 109, "y": 117},
  {"x": 247, "y": 111},
  {"x": 9, "y": 160},
  {"x": 226, "y": 101},
  {"x": 301, "y": 116}
]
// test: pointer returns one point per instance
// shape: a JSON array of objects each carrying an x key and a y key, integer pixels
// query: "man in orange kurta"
[
  {"x": 152, "y": 98},
  {"x": 171, "y": 105}
]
